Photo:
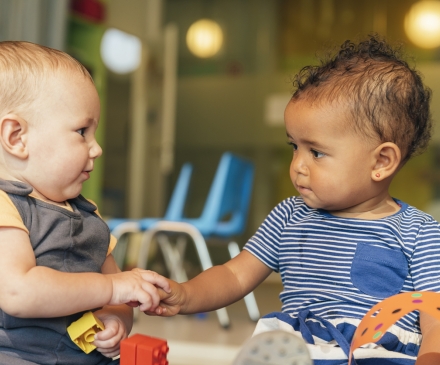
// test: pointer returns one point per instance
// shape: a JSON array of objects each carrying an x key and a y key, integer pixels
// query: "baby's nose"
[
  {"x": 299, "y": 164},
  {"x": 95, "y": 150}
]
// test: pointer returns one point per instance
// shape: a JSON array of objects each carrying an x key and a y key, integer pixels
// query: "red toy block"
[
  {"x": 128, "y": 351},
  {"x": 143, "y": 350}
]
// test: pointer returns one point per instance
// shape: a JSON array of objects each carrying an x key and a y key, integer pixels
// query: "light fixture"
[
  {"x": 204, "y": 38},
  {"x": 120, "y": 51},
  {"x": 422, "y": 24}
]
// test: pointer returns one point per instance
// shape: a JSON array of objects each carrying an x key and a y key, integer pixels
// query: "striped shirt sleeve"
[
  {"x": 265, "y": 243},
  {"x": 425, "y": 261}
]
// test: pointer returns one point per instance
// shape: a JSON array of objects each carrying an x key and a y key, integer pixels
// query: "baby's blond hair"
[{"x": 24, "y": 66}]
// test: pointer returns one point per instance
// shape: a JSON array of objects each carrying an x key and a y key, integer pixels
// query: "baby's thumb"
[{"x": 163, "y": 294}]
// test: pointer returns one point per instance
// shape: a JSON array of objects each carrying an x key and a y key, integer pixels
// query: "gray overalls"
[{"x": 65, "y": 241}]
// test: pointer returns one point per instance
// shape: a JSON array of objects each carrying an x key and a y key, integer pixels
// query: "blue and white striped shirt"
[{"x": 341, "y": 267}]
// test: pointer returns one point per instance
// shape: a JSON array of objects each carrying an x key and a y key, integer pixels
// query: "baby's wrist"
[
  {"x": 110, "y": 289},
  {"x": 184, "y": 299}
]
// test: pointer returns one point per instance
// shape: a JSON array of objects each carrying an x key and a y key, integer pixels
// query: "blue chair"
[
  {"x": 224, "y": 216},
  {"x": 120, "y": 226}
]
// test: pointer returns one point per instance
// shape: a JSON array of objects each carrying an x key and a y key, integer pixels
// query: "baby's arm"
[
  {"x": 429, "y": 353},
  {"x": 27, "y": 290},
  {"x": 216, "y": 287}
]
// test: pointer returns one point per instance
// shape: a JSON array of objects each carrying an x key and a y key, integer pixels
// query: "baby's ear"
[
  {"x": 13, "y": 135},
  {"x": 387, "y": 158}
]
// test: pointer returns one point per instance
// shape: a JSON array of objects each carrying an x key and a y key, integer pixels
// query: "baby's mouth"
[{"x": 302, "y": 189}]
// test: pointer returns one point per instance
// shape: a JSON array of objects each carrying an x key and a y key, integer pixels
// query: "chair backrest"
[
  {"x": 227, "y": 205},
  {"x": 177, "y": 202}
]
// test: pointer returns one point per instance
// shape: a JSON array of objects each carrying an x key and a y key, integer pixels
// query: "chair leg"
[
  {"x": 120, "y": 250},
  {"x": 250, "y": 301},
  {"x": 144, "y": 249},
  {"x": 173, "y": 256},
  {"x": 202, "y": 252},
  {"x": 179, "y": 257},
  {"x": 205, "y": 260},
  {"x": 146, "y": 239}
]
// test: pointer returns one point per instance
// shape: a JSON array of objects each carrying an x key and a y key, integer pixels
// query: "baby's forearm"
[
  {"x": 429, "y": 353},
  {"x": 223, "y": 285},
  {"x": 214, "y": 288},
  {"x": 43, "y": 292}
]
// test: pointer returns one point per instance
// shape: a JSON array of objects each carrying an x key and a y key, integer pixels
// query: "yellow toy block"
[{"x": 83, "y": 331}]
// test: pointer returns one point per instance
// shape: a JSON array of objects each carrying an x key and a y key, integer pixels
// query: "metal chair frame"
[
  {"x": 229, "y": 196},
  {"x": 121, "y": 226}
]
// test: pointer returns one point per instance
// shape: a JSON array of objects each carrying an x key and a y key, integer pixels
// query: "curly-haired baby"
[{"x": 344, "y": 244}]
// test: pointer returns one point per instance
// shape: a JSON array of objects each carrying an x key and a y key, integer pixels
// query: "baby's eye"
[
  {"x": 81, "y": 131},
  {"x": 294, "y": 146},
  {"x": 317, "y": 154}
]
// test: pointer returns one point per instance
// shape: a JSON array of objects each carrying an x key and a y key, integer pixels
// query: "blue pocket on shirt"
[{"x": 377, "y": 271}]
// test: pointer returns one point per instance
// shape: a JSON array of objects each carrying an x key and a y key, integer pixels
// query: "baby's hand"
[
  {"x": 138, "y": 286},
  {"x": 171, "y": 302},
  {"x": 108, "y": 340}
]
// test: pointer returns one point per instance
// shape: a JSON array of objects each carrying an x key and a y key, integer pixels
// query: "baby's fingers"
[
  {"x": 107, "y": 342},
  {"x": 109, "y": 333},
  {"x": 156, "y": 279},
  {"x": 163, "y": 294},
  {"x": 159, "y": 311},
  {"x": 151, "y": 299},
  {"x": 112, "y": 352}
]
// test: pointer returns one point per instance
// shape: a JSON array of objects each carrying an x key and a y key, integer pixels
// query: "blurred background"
[
  {"x": 186, "y": 80},
  {"x": 164, "y": 103}
]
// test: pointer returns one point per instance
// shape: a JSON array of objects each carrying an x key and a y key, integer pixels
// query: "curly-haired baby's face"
[{"x": 333, "y": 167}]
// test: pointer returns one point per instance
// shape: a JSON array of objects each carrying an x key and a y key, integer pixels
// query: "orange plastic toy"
[
  {"x": 384, "y": 314},
  {"x": 143, "y": 350}
]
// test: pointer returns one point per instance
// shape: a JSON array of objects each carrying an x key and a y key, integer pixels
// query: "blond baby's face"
[
  {"x": 332, "y": 165},
  {"x": 61, "y": 137}
]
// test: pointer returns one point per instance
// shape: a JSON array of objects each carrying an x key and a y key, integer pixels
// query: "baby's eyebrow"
[
  {"x": 90, "y": 121},
  {"x": 311, "y": 143},
  {"x": 315, "y": 144}
]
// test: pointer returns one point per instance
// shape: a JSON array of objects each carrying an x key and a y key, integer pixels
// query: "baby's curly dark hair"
[{"x": 386, "y": 97}]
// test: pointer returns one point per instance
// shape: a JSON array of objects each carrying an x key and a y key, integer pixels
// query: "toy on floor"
[
  {"x": 83, "y": 331},
  {"x": 384, "y": 314},
  {"x": 274, "y": 348},
  {"x": 143, "y": 350}
]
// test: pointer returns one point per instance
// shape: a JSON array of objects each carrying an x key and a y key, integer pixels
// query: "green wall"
[{"x": 83, "y": 43}]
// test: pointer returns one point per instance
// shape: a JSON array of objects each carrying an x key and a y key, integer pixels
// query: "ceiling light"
[
  {"x": 120, "y": 51},
  {"x": 422, "y": 24},
  {"x": 204, "y": 38}
]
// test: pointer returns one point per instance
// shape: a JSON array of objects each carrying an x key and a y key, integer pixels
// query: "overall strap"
[
  {"x": 19, "y": 192},
  {"x": 15, "y": 187}
]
